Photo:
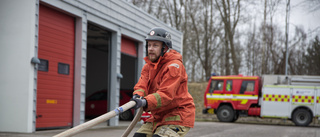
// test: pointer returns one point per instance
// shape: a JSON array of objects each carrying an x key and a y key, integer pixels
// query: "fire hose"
[{"x": 102, "y": 118}]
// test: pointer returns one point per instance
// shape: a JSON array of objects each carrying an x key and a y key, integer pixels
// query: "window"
[
  {"x": 247, "y": 86},
  {"x": 216, "y": 85},
  {"x": 229, "y": 85},
  {"x": 219, "y": 85},
  {"x": 213, "y": 83},
  {"x": 44, "y": 65},
  {"x": 63, "y": 68}
]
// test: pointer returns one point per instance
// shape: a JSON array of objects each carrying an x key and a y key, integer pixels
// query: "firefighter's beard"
[{"x": 153, "y": 57}]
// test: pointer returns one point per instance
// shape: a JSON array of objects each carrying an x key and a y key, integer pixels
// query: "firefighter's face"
[{"x": 154, "y": 50}]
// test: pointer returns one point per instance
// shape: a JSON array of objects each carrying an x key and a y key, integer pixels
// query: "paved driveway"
[{"x": 201, "y": 129}]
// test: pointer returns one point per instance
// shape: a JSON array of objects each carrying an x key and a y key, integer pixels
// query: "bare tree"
[
  {"x": 296, "y": 51},
  {"x": 206, "y": 33},
  {"x": 252, "y": 52},
  {"x": 214, "y": 39},
  {"x": 230, "y": 16},
  {"x": 312, "y": 5}
]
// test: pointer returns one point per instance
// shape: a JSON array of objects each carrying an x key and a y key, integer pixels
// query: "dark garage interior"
[{"x": 97, "y": 78}]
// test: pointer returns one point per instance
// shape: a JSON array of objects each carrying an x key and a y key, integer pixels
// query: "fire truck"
[{"x": 296, "y": 98}]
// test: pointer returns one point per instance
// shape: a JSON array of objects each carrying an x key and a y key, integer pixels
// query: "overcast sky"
[{"x": 303, "y": 13}]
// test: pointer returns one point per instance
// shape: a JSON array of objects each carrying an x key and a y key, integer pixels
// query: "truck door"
[
  {"x": 248, "y": 94},
  {"x": 217, "y": 86},
  {"x": 215, "y": 92}
]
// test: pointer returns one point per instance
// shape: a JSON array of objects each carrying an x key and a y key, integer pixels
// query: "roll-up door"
[
  {"x": 128, "y": 47},
  {"x": 55, "y": 72}
]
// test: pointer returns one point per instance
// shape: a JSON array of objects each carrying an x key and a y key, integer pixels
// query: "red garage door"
[
  {"x": 55, "y": 72},
  {"x": 128, "y": 47}
]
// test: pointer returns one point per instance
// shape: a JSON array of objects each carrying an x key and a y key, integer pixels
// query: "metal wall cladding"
[{"x": 55, "y": 86}]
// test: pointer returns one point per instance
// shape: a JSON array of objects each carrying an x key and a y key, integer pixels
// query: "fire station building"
[{"x": 55, "y": 53}]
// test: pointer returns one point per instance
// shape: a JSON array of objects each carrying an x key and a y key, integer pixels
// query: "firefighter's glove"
[
  {"x": 135, "y": 96},
  {"x": 140, "y": 102}
]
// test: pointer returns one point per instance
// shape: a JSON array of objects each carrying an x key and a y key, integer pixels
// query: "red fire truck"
[{"x": 275, "y": 96}]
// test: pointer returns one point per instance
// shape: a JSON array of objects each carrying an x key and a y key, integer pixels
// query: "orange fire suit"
[{"x": 164, "y": 85}]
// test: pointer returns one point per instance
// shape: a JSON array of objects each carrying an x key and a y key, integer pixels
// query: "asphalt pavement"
[
  {"x": 100, "y": 130},
  {"x": 201, "y": 129}
]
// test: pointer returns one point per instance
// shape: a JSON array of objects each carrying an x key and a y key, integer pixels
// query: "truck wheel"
[
  {"x": 225, "y": 114},
  {"x": 127, "y": 115},
  {"x": 235, "y": 118},
  {"x": 301, "y": 117}
]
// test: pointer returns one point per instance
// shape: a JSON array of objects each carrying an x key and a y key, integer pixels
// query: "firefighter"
[
  {"x": 162, "y": 89},
  {"x": 228, "y": 87}
]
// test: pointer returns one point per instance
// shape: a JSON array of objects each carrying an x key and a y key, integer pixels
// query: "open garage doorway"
[
  {"x": 129, "y": 73},
  {"x": 98, "y": 68},
  {"x": 97, "y": 79}
]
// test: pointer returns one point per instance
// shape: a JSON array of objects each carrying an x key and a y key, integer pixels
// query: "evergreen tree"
[{"x": 312, "y": 58}]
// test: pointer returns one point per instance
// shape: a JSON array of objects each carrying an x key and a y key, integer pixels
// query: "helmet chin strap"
[
  {"x": 147, "y": 48},
  {"x": 162, "y": 49}
]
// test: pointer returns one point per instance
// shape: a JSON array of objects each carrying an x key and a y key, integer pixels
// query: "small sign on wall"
[{"x": 52, "y": 101}]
